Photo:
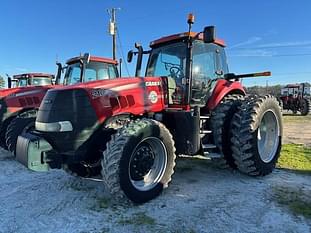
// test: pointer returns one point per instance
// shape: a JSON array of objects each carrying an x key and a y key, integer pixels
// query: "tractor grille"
[{"x": 68, "y": 105}]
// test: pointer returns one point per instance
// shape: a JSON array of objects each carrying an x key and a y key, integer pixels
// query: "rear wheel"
[
  {"x": 257, "y": 135},
  {"x": 305, "y": 107},
  {"x": 220, "y": 123},
  {"x": 22, "y": 123},
  {"x": 139, "y": 161}
]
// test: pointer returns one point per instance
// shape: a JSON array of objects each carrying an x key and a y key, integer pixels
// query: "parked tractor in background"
[
  {"x": 129, "y": 130},
  {"x": 30, "y": 79},
  {"x": 19, "y": 105},
  {"x": 296, "y": 97}
]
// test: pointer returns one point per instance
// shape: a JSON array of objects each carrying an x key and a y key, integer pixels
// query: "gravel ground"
[{"x": 201, "y": 198}]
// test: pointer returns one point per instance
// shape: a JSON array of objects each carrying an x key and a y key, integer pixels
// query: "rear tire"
[
  {"x": 257, "y": 135},
  {"x": 305, "y": 107},
  {"x": 139, "y": 161},
  {"x": 22, "y": 123},
  {"x": 220, "y": 123}
]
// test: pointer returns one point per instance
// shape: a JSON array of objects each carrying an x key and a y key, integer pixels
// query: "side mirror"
[
  {"x": 130, "y": 56},
  {"x": 86, "y": 58},
  {"x": 9, "y": 82},
  {"x": 59, "y": 72},
  {"x": 209, "y": 34}
]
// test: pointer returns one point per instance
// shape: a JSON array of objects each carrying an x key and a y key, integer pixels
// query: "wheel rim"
[
  {"x": 147, "y": 164},
  {"x": 268, "y": 136}
]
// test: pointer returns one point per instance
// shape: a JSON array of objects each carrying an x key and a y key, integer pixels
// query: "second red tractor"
[{"x": 19, "y": 105}]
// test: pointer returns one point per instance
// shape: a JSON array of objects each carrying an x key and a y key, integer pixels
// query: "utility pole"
[{"x": 113, "y": 30}]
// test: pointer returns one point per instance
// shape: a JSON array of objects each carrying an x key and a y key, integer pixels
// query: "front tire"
[
  {"x": 257, "y": 135},
  {"x": 22, "y": 123},
  {"x": 139, "y": 161}
]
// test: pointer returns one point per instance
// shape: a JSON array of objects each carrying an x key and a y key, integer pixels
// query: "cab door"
[{"x": 208, "y": 65}]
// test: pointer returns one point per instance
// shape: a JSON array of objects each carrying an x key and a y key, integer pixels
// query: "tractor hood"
[
  {"x": 122, "y": 95},
  {"x": 69, "y": 115},
  {"x": 15, "y": 99}
]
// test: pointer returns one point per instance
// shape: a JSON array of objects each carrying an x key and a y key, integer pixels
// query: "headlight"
[{"x": 61, "y": 126}]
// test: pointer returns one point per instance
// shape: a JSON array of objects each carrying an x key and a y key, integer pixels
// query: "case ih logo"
[
  {"x": 153, "y": 97},
  {"x": 150, "y": 84}
]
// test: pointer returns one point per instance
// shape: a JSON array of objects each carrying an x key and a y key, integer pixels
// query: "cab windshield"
[
  {"x": 41, "y": 81},
  {"x": 22, "y": 82},
  {"x": 170, "y": 60},
  {"x": 92, "y": 71}
]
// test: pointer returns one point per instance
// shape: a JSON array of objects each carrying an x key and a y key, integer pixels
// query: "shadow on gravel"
[{"x": 297, "y": 171}]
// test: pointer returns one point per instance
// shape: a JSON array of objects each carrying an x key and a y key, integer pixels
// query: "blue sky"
[{"x": 260, "y": 35}]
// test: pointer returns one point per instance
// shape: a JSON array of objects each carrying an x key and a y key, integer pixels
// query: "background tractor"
[
  {"x": 19, "y": 105},
  {"x": 296, "y": 97},
  {"x": 30, "y": 79},
  {"x": 129, "y": 130}
]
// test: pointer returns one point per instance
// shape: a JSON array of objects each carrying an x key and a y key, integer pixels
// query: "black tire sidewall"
[
  {"x": 305, "y": 107},
  {"x": 19, "y": 127},
  {"x": 138, "y": 196}
]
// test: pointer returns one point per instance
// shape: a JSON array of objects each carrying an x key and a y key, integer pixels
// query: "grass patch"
[
  {"x": 296, "y": 200},
  {"x": 296, "y": 118},
  {"x": 140, "y": 218},
  {"x": 295, "y": 157}
]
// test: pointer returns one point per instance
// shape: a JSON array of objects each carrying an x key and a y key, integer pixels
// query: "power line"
[
  {"x": 272, "y": 55},
  {"x": 305, "y": 45},
  {"x": 122, "y": 54}
]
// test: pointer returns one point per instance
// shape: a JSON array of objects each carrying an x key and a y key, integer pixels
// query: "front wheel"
[
  {"x": 22, "y": 123},
  {"x": 139, "y": 161},
  {"x": 257, "y": 135}
]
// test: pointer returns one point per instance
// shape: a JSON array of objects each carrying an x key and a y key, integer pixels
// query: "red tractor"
[
  {"x": 130, "y": 130},
  {"x": 296, "y": 97},
  {"x": 30, "y": 79},
  {"x": 19, "y": 105}
]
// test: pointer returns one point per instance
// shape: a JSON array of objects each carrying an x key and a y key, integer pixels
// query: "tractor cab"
[
  {"x": 30, "y": 79},
  {"x": 86, "y": 69},
  {"x": 186, "y": 55}
]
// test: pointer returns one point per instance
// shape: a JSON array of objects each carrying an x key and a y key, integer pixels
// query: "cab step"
[
  {"x": 209, "y": 146},
  {"x": 206, "y": 131},
  {"x": 212, "y": 155}
]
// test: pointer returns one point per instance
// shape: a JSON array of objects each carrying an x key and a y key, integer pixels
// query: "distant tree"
[
  {"x": 264, "y": 90},
  {"x": 2, "y": 82}
]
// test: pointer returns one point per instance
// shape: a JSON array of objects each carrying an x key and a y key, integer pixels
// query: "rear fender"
[{"x": 223, "y": 88}]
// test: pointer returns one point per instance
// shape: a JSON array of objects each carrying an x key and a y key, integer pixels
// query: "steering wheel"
[{"x": 176, "y": 72}]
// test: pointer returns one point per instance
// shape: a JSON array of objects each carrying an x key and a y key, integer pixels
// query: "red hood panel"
[{"x": 124, "y": 95}]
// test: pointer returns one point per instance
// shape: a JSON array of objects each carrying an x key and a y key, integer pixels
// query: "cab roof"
[
  {"x": 31, "y": 75},
  {"x": 93, "y": 58},
  {"x": 181, "y": 36}
]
